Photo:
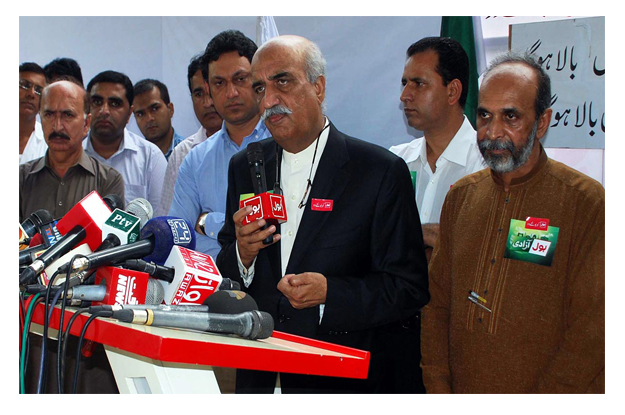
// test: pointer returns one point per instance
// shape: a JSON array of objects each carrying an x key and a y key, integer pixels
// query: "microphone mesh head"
[
  {"x": 155, "y": 293},
  {"x": 141, "y": 208},
  {"x": 42, "y": 217},
  {"x": 262, "y": 325},
  {"x": 230, "y": 302}
]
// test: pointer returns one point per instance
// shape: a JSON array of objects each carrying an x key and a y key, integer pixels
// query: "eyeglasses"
[{"x": 27, "y": 85}]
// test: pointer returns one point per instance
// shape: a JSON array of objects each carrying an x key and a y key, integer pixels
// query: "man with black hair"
[
  {"x": 210, "y": 123},
  {"x": 32, "y": 82},
  {"x": 153, "y": 112},
  {"x": 435, "y": 86},
  {"x": 61, "y": 67},
  {"x": 200, "y": 190},
  {"x": 141, "y": 163}
]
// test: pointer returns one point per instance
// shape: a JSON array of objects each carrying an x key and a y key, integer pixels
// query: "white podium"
[{"x": 147, "y": 359}]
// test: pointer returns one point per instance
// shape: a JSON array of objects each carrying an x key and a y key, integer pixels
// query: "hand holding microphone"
[{"x": 250, "y": 236}]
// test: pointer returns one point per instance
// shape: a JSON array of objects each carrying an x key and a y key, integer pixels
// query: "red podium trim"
[{"x": 281, "y": 352}]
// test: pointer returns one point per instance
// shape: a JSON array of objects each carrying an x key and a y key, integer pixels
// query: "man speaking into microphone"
[{"x": 347, "y": 267}]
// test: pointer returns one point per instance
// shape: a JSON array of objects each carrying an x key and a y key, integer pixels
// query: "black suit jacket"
[{"x": 370, "y": 249}]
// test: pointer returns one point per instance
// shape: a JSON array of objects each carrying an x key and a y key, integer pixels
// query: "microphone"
[
  {"x": 124, "y": 225},
  {"x": 256, "y": 162},
  {"x": 116, "y": 286},
  {"x": 141, "y": 208},
  {"x": 222, "y": 302},
  {"x": 159, "y": 236},
  {"x": 230, "y": 302},
  {"x": 162, "y": 307},
  {"x": 48, "y": 272},
  {"x": 249, "y": 324},
  {"x": 113, "y": 201},
  {"x": 196, "y": 277},
  {"x": 33, "y": 224},
  {"x": 81, "y": 223}
]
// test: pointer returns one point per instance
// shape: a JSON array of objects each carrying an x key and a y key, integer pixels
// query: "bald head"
[
  {"x": 66, "y": 89},
  {"x": 288, "y": 76},
  {"x": 524, "y": 67},
  {"x": 304, "y": 51},
  {"x": 64, "y": 118}
]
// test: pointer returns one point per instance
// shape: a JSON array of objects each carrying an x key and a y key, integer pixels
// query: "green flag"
[{"x": 460, "y": 28}]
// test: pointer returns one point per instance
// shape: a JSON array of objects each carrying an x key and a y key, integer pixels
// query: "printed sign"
[{"x": 532, "y": 240}]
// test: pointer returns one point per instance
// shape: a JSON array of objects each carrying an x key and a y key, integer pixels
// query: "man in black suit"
[{"x": 348, "y": 267}]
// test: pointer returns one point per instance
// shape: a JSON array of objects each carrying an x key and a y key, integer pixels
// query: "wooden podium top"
[{"x": 281, "y": 352}]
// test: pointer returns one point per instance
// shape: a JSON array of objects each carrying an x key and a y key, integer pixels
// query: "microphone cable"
[
  {"x": 80, "y": 339},
  {"x": 47, "y": 317},
  {"x": 44, "y": 341},
  {"x": 32, "y": 303},
  {"x": 61, "y": 338},
  {"x": 63, "y": 352}
]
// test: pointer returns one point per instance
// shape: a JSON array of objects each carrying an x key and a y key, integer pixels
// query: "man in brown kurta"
[
  {"x": 56, "y": 182},
  {"x": 65, "y": 174},
  {"x": 518, "y": 281}
]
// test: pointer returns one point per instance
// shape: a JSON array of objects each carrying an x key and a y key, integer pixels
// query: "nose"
[
  {"x": 270, "y": 98},
  {"x": 57, "y": 125},
  {"x": 231, "y": 91},
  {"x": 207, "y": 101},
  {"x": 406, "y": 94},
  {"x": 105, "y": 109},
  {"x": 494, "y": 129}
]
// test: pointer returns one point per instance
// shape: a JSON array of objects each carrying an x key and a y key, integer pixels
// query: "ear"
[
  {"x": 87, "y": 125},
  {"x": 320, "y": 88},
  {"x": 454, "y": 91},
  {"x": 132, "y": 111},
  {"x": 171, "y": 109},
  {"x": 543, "y": 123}
]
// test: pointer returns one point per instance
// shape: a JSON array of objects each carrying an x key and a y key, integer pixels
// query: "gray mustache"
[{"x": 275, "y": 110}]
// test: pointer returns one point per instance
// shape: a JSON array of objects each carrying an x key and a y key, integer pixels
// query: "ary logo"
[{"x": 540, "y": 247}]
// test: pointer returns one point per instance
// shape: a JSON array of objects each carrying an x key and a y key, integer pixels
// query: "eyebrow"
[{"x": 279, "y": 75}]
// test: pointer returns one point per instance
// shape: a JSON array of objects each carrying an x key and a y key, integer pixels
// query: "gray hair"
[
  {"x": 314, "y": 66},
  {"x": 314, "y": 62},
  {"x": 543, "y": 93}
]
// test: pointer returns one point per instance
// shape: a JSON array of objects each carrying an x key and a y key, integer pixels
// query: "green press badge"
[{"x": 532, "y": 240}]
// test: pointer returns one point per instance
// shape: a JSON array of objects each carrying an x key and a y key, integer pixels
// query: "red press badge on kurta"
[
  {"x": 540, "y": 224},
  {"x": 324, "y": 205}
]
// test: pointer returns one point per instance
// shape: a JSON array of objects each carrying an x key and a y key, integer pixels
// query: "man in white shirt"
[
  {"x": 32, "y": 82},
  {"x": 210, "y": 121},
  {"x": 436, "y": 81},
  {"x": 141, "y": 163}
]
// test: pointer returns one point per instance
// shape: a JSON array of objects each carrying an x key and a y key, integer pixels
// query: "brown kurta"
[
  {"x": 546, "y": 330},
  {"x": 42, "y": 188}
]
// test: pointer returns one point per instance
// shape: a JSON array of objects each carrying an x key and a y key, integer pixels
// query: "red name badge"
[
  {"x": 537, "y": 223},
  {"x": 323, "y": 205}
]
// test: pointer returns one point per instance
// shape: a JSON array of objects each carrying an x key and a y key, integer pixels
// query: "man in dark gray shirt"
[{"x": 65, "y": 174}]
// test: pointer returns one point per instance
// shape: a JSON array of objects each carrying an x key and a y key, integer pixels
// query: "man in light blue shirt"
[
  {"x": 141, "y": 163},
  {"x": 202, "y": 183}
]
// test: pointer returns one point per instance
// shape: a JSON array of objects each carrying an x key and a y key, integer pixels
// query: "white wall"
[{"x": 365, "y": 58}]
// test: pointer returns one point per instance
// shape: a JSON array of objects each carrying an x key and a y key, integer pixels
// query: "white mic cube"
[
  {"x": 125, "y": 226},
  {"x": 195, "y": 279}
]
